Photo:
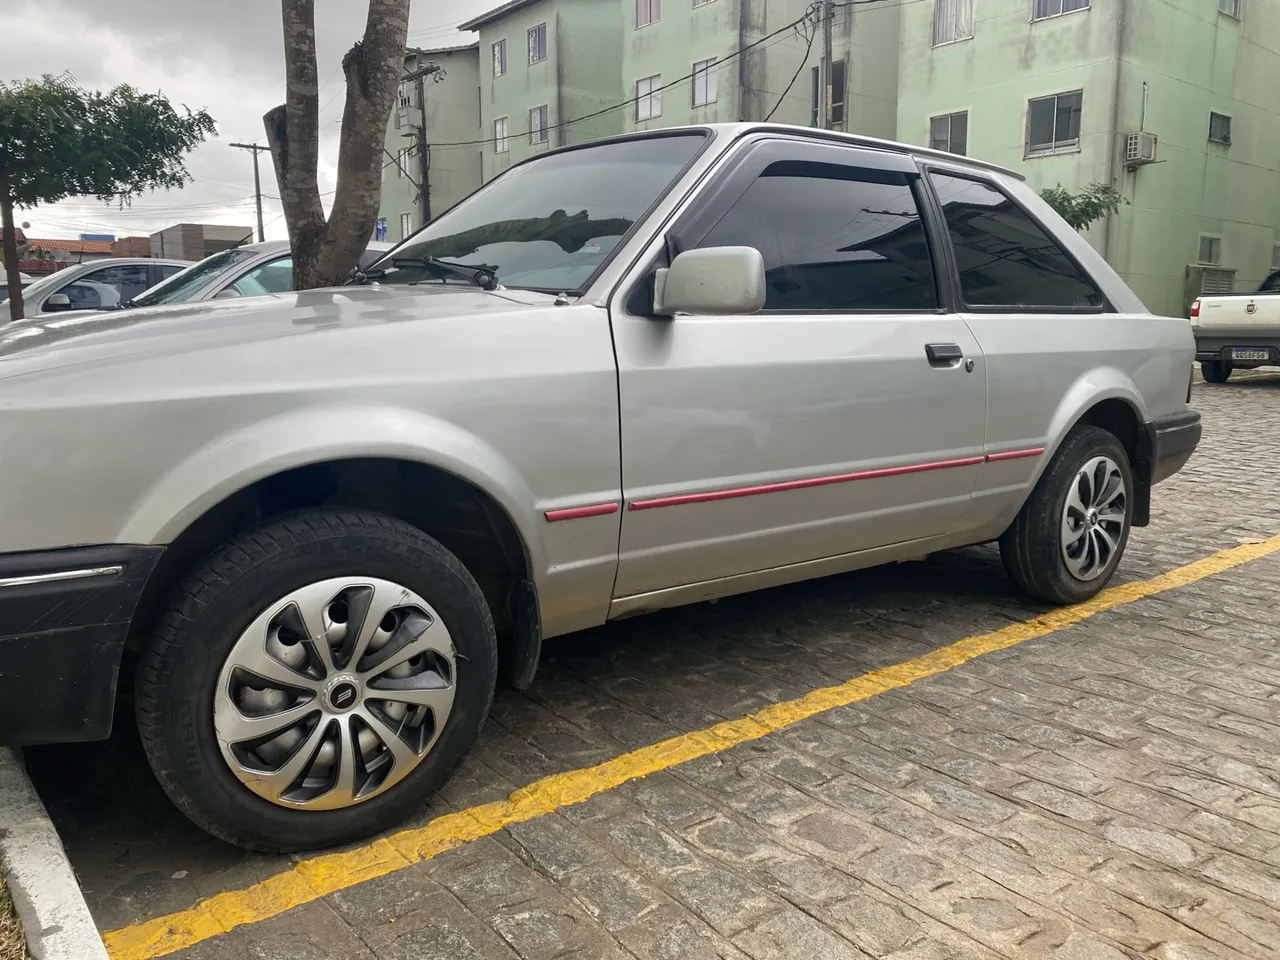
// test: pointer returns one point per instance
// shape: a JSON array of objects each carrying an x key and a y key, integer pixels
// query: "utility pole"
[
  {"x": 255, "y": 149},
  {"x": 828, "y": 13},
  {"x": 418, "y": 76}
]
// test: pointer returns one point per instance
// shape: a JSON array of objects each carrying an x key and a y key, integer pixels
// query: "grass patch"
[{"x": 12, "y": 946}]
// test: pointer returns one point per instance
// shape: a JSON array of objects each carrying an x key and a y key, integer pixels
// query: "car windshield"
[
  {"x": 185, "y": 284},
  {"x": 42, "y": 285},
  {"x": 550, "y": 223}
]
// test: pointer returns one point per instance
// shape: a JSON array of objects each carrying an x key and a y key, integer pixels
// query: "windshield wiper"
[{"x": 486, "y": 278}]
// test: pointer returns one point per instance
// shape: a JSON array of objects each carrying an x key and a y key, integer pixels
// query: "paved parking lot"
[{"x": 1107, "y": 788}]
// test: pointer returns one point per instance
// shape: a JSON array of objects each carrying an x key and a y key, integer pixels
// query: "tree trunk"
[
  {"x": 12, "y": 279},
  {"x": 324, "y": 251}
]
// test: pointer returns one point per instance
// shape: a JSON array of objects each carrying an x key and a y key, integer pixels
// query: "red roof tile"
[{"x": 71, "y": 246}]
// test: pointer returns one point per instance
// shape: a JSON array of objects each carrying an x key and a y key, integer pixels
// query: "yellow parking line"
[{"x": 319, "y": 876}]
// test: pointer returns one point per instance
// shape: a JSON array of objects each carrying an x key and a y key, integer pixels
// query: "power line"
[{"x": 804, "y": 62}]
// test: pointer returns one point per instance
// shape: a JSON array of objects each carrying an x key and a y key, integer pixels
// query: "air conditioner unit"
[{"x": 1139, "y": 149}]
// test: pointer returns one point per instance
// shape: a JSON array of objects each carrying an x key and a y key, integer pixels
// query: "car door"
[
  {"x": 103, "y": 288},
  {"x": 845, "y": 416},
  {"x": 1044, "y": 327}
]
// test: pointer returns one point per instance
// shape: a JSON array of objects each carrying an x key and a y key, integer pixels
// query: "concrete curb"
[{"x": 55, "y": 918}]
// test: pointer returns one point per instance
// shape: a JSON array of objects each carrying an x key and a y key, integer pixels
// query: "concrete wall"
[
  {"x": 670, "y": 47},
  {"x": 578, "y": 77}
]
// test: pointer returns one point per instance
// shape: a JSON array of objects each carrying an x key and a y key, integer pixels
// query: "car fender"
[
  {"x": 1093, "y": 387},
  {"x": 240, "y": 458}
]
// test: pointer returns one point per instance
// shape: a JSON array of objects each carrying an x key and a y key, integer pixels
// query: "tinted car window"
[
  {"x": 833, "y": 238},
  {"x": 1271, "y": 284},
  {"x": 1005, "y": 259},
  {"x": 129, "y": 280}
]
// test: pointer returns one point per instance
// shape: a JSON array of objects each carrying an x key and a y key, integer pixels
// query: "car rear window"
[{"x": 1004, "y": 258}]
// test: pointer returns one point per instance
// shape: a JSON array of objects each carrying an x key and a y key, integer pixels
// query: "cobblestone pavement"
[{"x": 1110, "y": 790}]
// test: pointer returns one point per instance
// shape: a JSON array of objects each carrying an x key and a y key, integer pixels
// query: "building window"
[
  {"x": 500, "y": 58},
  {"x": 837, "y": 96},
  {"x": 699, "y": 3},
  {"x": 647, "y": 12},
  {"x": 402, "y": 163},
  {"x": 406, "y": 225},
  {"x": 538, "y": 43},
  {"x": 500, "y": 142},
  {"x": 1210, "y": 250},
  {"x": 1219, "y": 128},
  {"x": 952, "y": 21},
  {"x": 538, "y": 125},
  {"x": 814, "y": 119},
  {"x": 1056, "y": 8},
  {"x": 1230, "y": 7},
  {"x": 704, "y": 82},
  {"x": 950, "y": 133},
  {"x": 1053, "y": 123},
  {"x": 1275, "y": 257},
  {"x": 649, "y": 97}
]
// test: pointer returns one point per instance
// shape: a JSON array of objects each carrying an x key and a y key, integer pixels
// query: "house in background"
[
  {"x": 1164, "y": 99},
  {"x": 195, "y": 241}
]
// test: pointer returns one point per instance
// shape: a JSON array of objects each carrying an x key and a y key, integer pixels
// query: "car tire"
[
  {"x": 1066, "y": 553},
  {"x": 1215, "y": 371},
  {"x": 188, "y": 673}
]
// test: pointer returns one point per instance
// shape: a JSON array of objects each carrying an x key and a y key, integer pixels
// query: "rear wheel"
[
  {"x": 1216, "y": 371},
  {"x": 315, "y": 680},
  {"x": 1069, "y": 536}
]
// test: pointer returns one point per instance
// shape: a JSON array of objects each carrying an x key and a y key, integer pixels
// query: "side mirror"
[
  {"x": 228, "y": 294},
  {"x": 58, "y": 301},
  {"x": 716, "y": 280}
]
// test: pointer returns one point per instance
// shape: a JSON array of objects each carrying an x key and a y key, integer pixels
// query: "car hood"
[{"x": 154, "y": 333}]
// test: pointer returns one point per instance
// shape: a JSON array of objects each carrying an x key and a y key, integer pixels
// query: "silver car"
[
  {"x": 622, "y": 376},
  {"x": 251, "y": 270},
  {"x": 96, "y": 285}
]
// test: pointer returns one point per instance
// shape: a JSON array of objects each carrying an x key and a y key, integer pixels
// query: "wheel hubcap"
[
  {"x": 1093, "y": 518},
  {"x": 335, "y": 693}
]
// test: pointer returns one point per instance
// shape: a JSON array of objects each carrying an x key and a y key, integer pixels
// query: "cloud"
[{"x": 224, "y": 56}]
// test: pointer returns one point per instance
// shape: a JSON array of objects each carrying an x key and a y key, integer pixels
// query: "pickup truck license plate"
[{"x": 1239, "y": 353}]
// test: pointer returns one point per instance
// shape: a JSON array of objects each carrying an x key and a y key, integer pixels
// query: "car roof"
[{"x": 735, "y": 131}]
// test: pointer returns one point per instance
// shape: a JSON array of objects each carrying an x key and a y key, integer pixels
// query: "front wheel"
[
  {"x": 1215, "y": 371},
  {"x": 1069, "y": 536},
  {"x": 315, "y": 680}
]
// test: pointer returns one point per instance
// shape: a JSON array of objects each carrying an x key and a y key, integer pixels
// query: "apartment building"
[
  {"x": 555, "y": 72},
  {"x": 451, "y": 91},
  {"x": 1170, "y": 101}
]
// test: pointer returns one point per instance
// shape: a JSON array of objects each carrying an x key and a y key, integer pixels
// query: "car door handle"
[{"x": 943, "y": 354}]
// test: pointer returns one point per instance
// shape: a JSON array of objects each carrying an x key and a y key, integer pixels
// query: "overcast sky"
[{"x": 223, "y": 55}]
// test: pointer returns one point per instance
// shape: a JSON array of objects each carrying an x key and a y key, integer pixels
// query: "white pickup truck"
[{"x": 1237, "y": 331}]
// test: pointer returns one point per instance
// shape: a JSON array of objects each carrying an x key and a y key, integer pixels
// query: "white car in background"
[{"x": 96, "y": 285}]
